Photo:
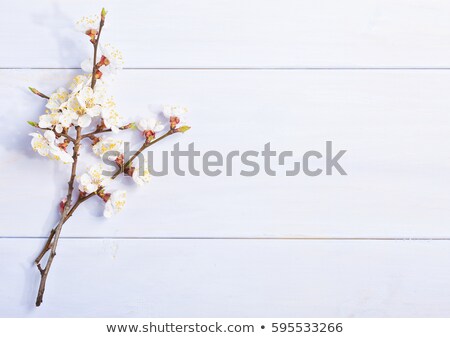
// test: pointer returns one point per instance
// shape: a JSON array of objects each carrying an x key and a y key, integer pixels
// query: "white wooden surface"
[
  {"x": 235, "y": 33},
  {"x": 208, "y": 258},
  {"x": 394, "y": 124},
  {"x": 230, "y": 278}
]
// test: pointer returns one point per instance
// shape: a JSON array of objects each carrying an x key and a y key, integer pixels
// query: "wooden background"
[{"x": 372, "y": 76}]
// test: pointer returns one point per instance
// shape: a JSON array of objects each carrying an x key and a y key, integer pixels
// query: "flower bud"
[
  {"x": 94, "y": 139},
  {"x": 62, "y": 205},
  {"x": 104, "y": 61},
  {"x": 64, "y": 145},
  {"x": 103, "y": 14},
  {"x": 98, "y": 74},
  {"x": 101, "y": 126},
  {"x": 129, "y": 126},
  {"x": 149, "y": 135},
  {"x": 182, "y": 129},
  {"x": 119, "y": 160},
  {"x": 174, "y": 120},
  {"x": 37, "y": 92},
  {"x": 105, "y": 197},
  {"x": 129, "y": 171},
  {"x": 92, "y": 33}
]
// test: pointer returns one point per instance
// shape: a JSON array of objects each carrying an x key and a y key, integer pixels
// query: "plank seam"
[
  {"x": 242, "y": 238},
  {"x": 247, "y": 68}
]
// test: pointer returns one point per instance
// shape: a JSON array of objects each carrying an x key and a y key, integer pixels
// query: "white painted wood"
[
  {"x": 394, "y": 125},
  {"x": 233, "y": 33},
  {"x": 229, "y": 278}
]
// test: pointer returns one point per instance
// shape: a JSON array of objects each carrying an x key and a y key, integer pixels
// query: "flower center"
[{"x": 90, "y": 103}]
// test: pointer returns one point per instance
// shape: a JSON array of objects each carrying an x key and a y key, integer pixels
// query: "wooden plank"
[
  {"x": 394, "y": 126},
  {"x": 229, "y": 278},
  {"x": 233, "y": 33}
]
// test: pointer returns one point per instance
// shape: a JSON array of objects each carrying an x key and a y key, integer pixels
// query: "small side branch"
[
  {"x": 38, "y": 93},
  {"x": 100, "y": 131},
  {"x": 63, "y": 134},
  {"x": 45, "y": 249}
]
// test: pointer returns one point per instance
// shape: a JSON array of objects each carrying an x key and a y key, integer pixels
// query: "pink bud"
[
  {"x": 129, "y": 171},
  {"x": 119, "y": 160},
  {"x": 105, "y": 197},
  {"x": 94, "y": 139},
  {"x": 149, "y": 134},
  {"x": 174, "y": 120},
  {"x": 62, "y": 205},
  {"x": 92, "y": 33},
  {"x": 103, "y": 61}
]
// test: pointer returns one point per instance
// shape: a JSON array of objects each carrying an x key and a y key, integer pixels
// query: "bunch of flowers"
[{"x": 82, "y": 115}]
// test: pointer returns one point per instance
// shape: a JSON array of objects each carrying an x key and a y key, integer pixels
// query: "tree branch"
[
  {"x": 65, "y": 135},
  {"x": 52, "y": 241},
  {"x": 94, "y": 66},
  {"x": 100, "y": 131}
]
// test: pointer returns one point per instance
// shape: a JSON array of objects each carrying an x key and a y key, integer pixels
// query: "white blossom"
[
  {"x": 114, "y": 58},
  {"x": 85, "y": 105},
  {"x": 79, "y": 82},
  {"x": 45, "y": 145},
  {"x": 86, "y": 23},
  {"x": 51, "y": 120},
  {"x": 111, "y": 118},
  {"x": 176, "y": 114},
  {"x": 106, "y": 144},
  {"x": 150, "y": 124},
  {"x": 87, "y": 65},
  {"x": 57, "y": 100},
  {"x": 109, "y": 63},
  {"x": 57, "y": 118},
  {"x": 141, "y": 173},
  {"x": 115, "y": 203},
  {"x": 92, "y": 180}
]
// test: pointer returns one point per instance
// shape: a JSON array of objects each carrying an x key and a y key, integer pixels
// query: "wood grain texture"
[
  {"x": 394, "y": 126},
  {"x": 230, "y": 278},
  {"x": 234, "y": 33}
]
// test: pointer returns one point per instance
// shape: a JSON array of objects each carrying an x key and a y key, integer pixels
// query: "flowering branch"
[
  {"x": 55, "y": 233},
  {"x": 52, "y": 240},
  {"x": 95, "y": 67},
  {"x": 87, "y": 105},
  {"x": 62, "y": 134}
]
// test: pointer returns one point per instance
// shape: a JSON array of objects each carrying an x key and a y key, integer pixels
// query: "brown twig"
[
  {"x": 52, "y": 241},
  {"x": 65, "y": 135},
  {"x": 38, "y": 93},
  {"x": 141, "y": 149},
  {"x": 94, "y": 66},
  {"x": 100, "y": 131}
]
